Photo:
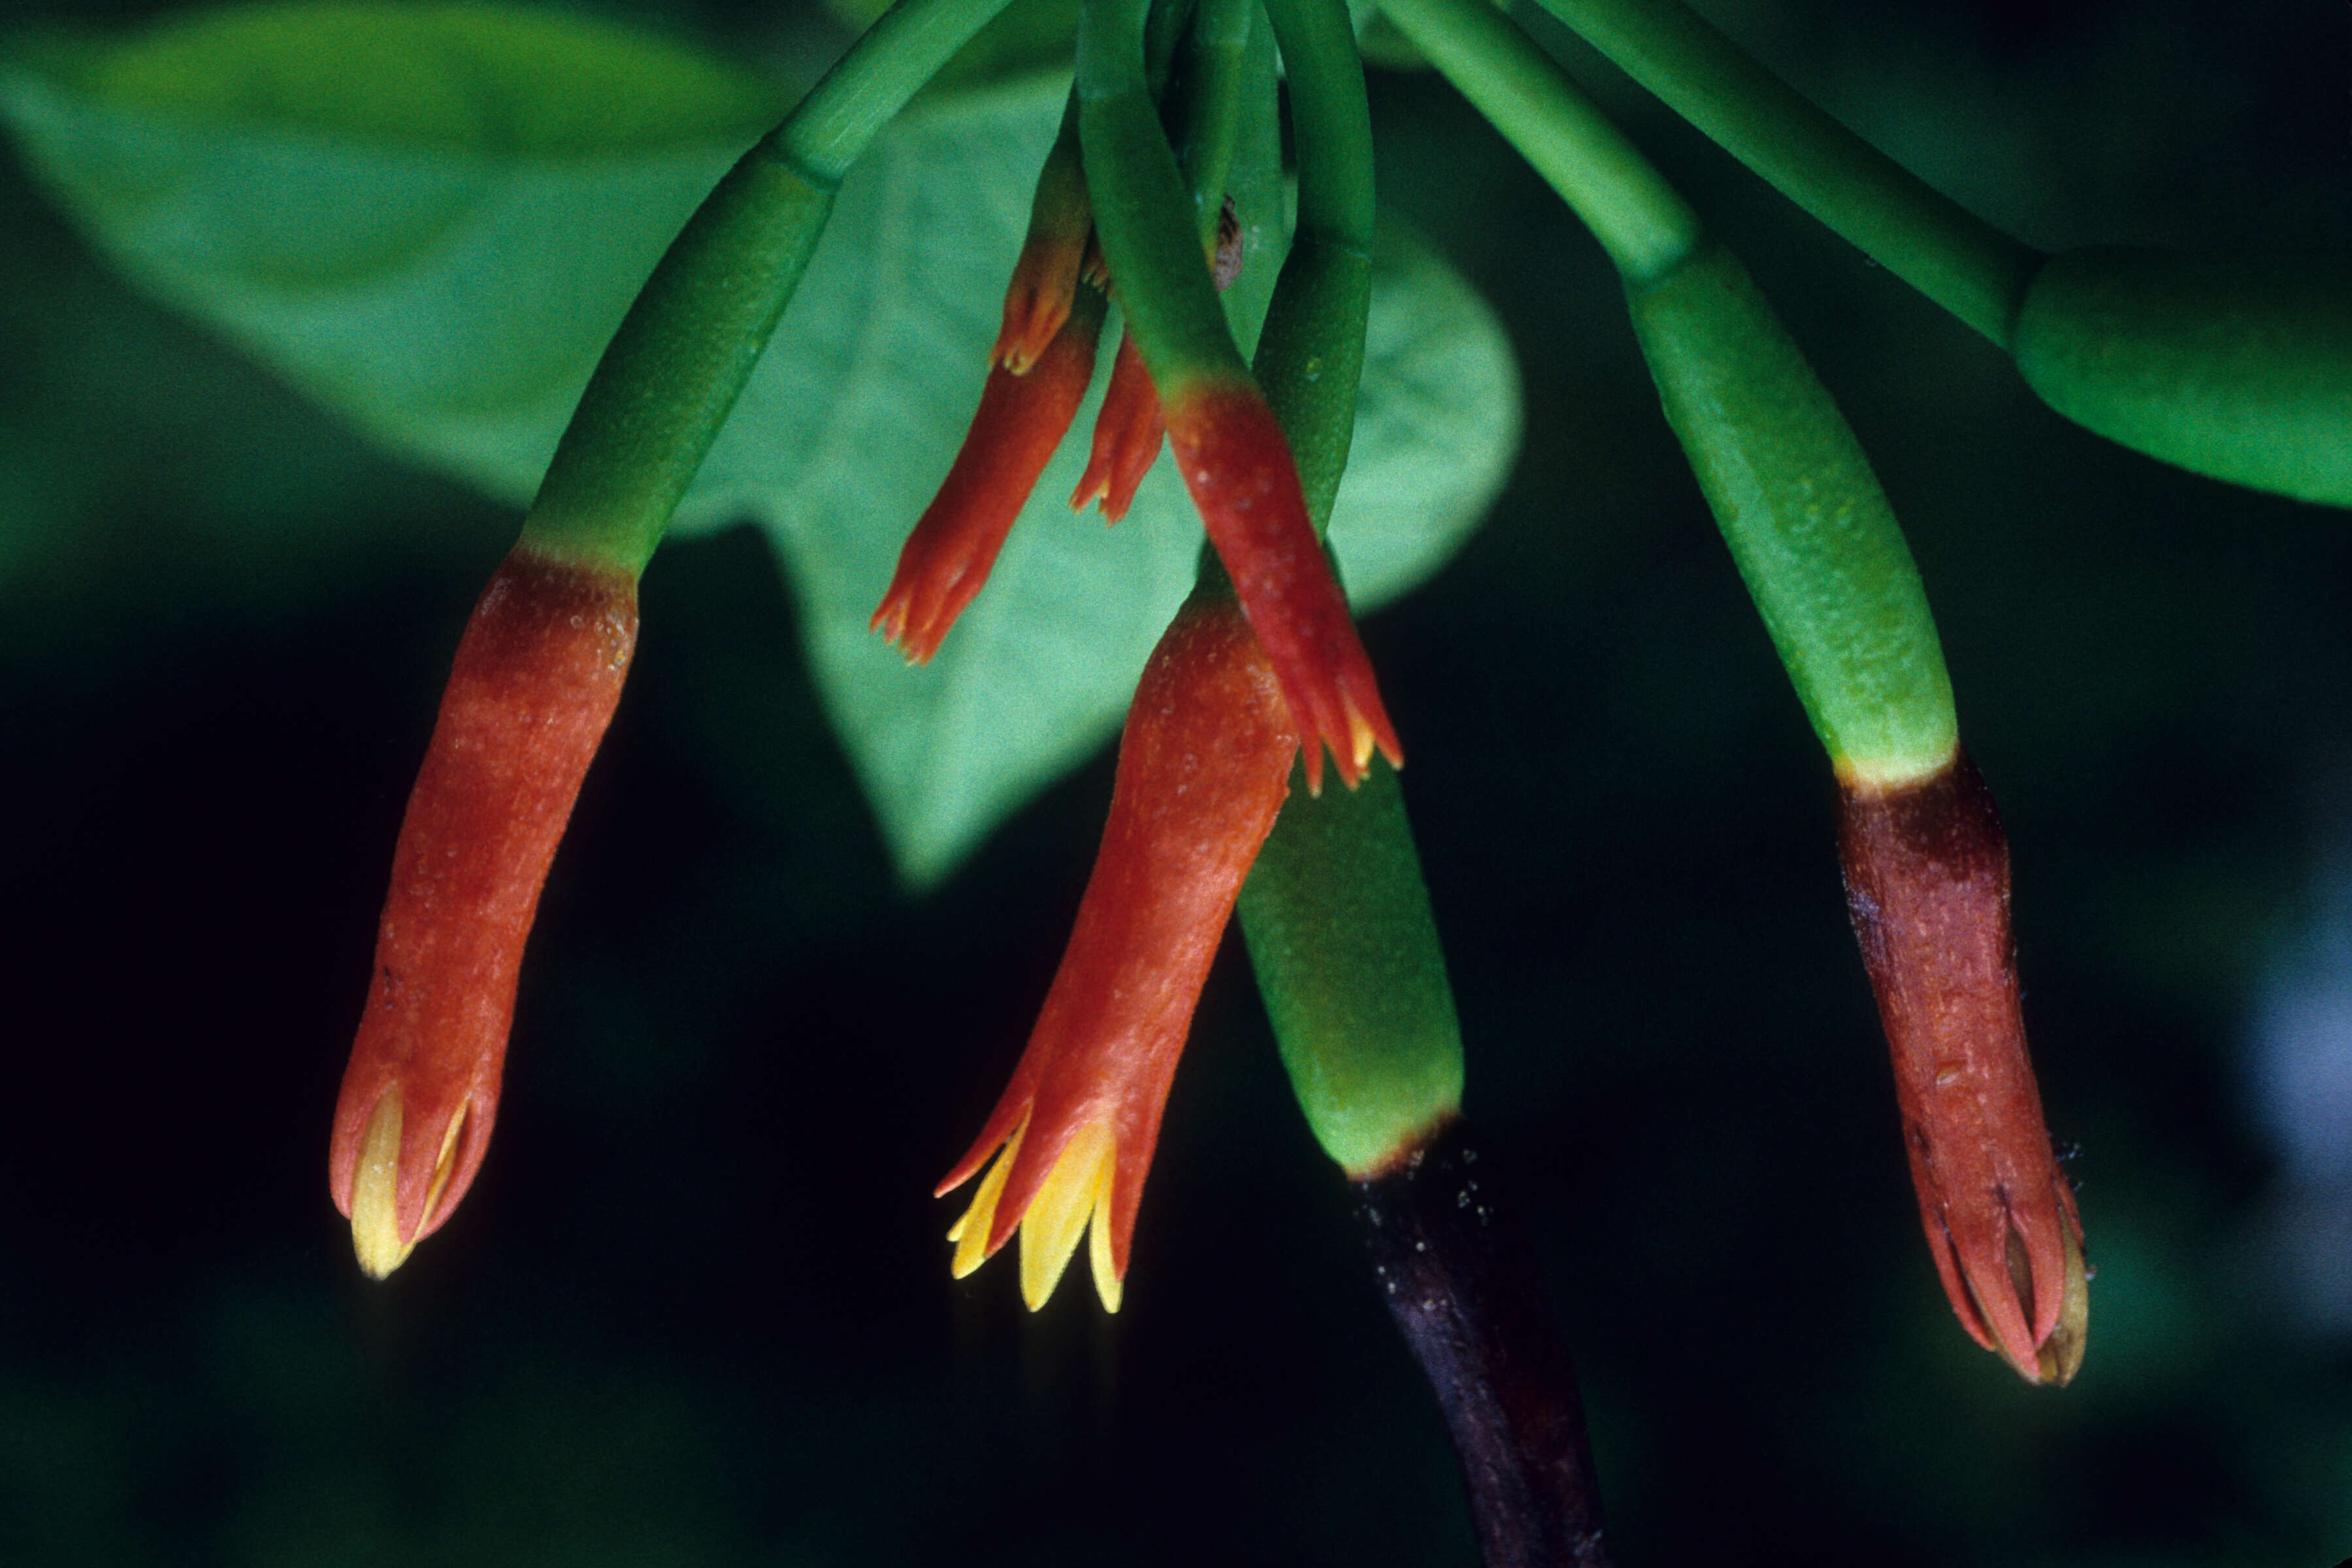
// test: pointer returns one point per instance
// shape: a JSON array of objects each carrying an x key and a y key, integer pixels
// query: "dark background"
[{"x": 697, "y": 1309}]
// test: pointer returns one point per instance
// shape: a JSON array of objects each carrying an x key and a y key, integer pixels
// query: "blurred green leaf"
[
  {"x": 440, "y": 251},
  {"x": 464, "y": 78}
]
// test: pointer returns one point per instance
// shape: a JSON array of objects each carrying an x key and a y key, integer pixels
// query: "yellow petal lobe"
[
  {"x": 376, "y": 1227},
  {"x": 1074, "y": 1191},
  {"x": 375, "y": 1189},
  {"x": 970, "y": 1233}
]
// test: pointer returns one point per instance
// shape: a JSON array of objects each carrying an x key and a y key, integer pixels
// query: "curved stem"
[
  {"x": 828, "y": 129},
  {"x": 1311, "y": 356},
  {"x": 1644, "y": 226},
  {"x": 1922, "y": 236},
  {"x": 1217, "y": 63},
  {"x": 1142, "y": 208},
  {"x": 681, "y": 357}
]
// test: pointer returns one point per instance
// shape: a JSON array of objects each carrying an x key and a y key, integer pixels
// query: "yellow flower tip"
[
  {"x": 1359, "y": 738},
  {"x": 969, "y": 1233},
  {"x": 1076, "y": 1191},
  {"x": 375, "y": 1223},
  {"x": 1108, "y": 1284},
  {"x": 375, "y": 1188}
]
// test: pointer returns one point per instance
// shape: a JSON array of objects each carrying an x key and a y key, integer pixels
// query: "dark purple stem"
[{"x": 1460, "y": 1278}]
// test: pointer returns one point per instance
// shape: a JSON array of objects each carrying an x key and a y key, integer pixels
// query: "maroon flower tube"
[{"x": 1927, "y": 871}]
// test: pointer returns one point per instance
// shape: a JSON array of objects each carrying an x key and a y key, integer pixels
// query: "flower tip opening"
[
  {"x": 1019, "y": 421},
  {"x": 1073, "y": 1197},
  {"x": 1128, "y": 436},
  {"x": 2031, "y": 1306},
  {"x": 1037, "y": 301},
  {"x": 1022, "y": 343},
  {"x": 375, "y": 1206},
  {"x": 1367, "y": 731},
  {"x": 892, "y": 618}
]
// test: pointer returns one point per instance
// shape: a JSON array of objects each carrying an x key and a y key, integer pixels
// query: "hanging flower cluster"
[
  {"x": 1262, "y": 666},
  {"x": 1208, "y": 748}
]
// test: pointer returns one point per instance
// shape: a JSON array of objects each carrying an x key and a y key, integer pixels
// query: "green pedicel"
[
  {"x": 1807, "y": 523},
  {"x": 1918, "y": 232},
  {"x": 1646, "y": 228},
  {"x": 681, "y": 357},
  {"x": 1347, "y": 959},
  {"x": 2242, "y": 371},
  {"x": 1311, "y": 358},
  {"x": 1819, "y": 548},
  {"x": 1217, "y": 59},
  {"x": 1143, "y": 208}
]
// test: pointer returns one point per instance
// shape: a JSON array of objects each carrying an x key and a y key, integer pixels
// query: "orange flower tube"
[
  {"x": 1203, "y": 767},
  {"x": 1127, "y": 435},
  {"x": 1230, "y": 451},
  {"x": 1021, "y": 418},
  {"x": 536, "y": 677}
]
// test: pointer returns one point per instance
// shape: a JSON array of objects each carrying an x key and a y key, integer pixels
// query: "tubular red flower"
[
  {"x": 1231, "y": 450},
  {"x": 534, "y": 686},
  {"x": 1127, "y": 433},
  {"x": 1203, "y": 767},
  {"x": 1021, "y": 419},
  {"x": 1043, "y": 286},
  {"x": 1927, "y": 868}
]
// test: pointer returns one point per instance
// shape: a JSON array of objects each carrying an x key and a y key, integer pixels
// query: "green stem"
[
  {"x": 1819, "y": 546},
  {"x": 1644, "y": 226},
  {"x": 1143, "y": 210},
  {"x": 1311, "y": 358},
  {"x": 1922, "y": 236},
  {"x": 681, "y": 357},
  {"x": 1216, "y": 65}
]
